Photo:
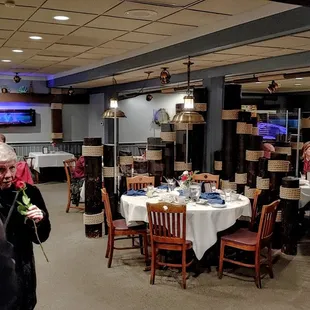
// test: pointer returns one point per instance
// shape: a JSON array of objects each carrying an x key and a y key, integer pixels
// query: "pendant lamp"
[{"x": 188, "y": 115}]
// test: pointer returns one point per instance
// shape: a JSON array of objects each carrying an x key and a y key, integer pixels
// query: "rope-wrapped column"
[
  {"x": 278, "y": 168},
  {"x": 125, "y": 165},
  {"x": 290, "y": 195},
  {"x": 218, "y": 163},
  {"x": 294, "y": 147},
  {"x": 305, "y": 125},
  {"x": 108, "y": 175},
  {"x": 154, "y": 156},
  {"x": 56, "y": 113},
  {"x": 244, "y": 130},
  {"x": 92, "y": 151},
  {"x": 168, "y": 137}
]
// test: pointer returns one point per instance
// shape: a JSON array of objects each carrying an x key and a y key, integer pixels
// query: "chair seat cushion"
[
  {"x": 242, "y": 236},
  {"x": 121, "y": 225}
]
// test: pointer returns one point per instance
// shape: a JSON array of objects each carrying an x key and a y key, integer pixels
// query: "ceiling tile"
[
  {"x": 57, "y": 53},
  {"x": 89, "y": 55},
  {"x": 107, "y": 51},
  {"x": 1, "y": 42},
  {"x": 217, "y": 57},
  {"x": 165, "y": 28},
  {"x": 56, "y": 69},
  {"x": 245, "y": 58},
  {"x": 34, "y": 3},
  {"x": 38, "y": 63},
  {"x": 123, "y": 44},
  {"x": 16, "y": 13},
  {"x": 159, "y": 11},
  {"x": 231, "y": 7},
  {"x": 281, "y": 52},
  {"x": 248, "y": 50},
  {"x": 4, "y": 34},
  {"x": 89, "y": 6},
  {"x": 171, "y": 2},
  {"x": 193, "y": 18},
  {"x": 47, "y": 28},
  {"x": 117, "y": 23},
  {"x": 284, "y": 42},
  {"x": 7, "y": 51},
  {"x": 303, "y": 34},
  {"x": 24, "y": 36},
  {"x": 78, "y": 19},
  {"x": 78, "y": 62},
  {"x": 68, "y": 48},
  {"x": 27, "y": 44},
  {"x": 49, "y": 58},
  {"x": 142, "y": 37},
  {"x": 10, "y": 24},
  {"x": 91, "y": 36}
]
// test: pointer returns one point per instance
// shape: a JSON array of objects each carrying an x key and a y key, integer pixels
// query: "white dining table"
[
  {"x": 203, "y": 222},
  {"x": 304, "y": 193},
  {"x": 56, "y": 159}
]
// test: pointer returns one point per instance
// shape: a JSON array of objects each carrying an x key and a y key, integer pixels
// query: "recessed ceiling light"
[
  {"x": 140, "y": 13},
  {"x": 60, "y": 17},
  {"x": 35, "y": 38},
  {"x": 299, "y": 78},
  {"x": 6, "y": 60},
  {"x": 297, "y": 84},
  {"x": 17, "y": 51},
  {"x": 258, "y": 82}
]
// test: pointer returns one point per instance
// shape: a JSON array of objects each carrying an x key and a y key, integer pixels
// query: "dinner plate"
[{"x": 218, "y": 206}]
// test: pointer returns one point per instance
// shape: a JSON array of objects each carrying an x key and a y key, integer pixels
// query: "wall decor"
[
  {"x": 161, "y": 116},
  {"x": 17, "y": 117}
]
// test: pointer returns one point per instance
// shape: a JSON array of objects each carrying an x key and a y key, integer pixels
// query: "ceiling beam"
[{"x": 285, "y": 23}]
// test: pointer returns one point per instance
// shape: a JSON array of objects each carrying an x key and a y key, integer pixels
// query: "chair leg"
[
  {"x": 184, "y": 268},
  {"x": 111, "y": 246},
  {"x": 257, "y": 270},
  {"x": 146, "y": 254},
  {"x": 69, "y": 202},
  {"x": 108, "y": 247},
  {"x": 270, "y": 262},
  {"x": 141, "y": 244},
  {"x": 153, "y": 265},
  {"x": 221, "y": 262}
]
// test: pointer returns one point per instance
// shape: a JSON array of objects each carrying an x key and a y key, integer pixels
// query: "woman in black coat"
[{"x": 20, "y": 232}]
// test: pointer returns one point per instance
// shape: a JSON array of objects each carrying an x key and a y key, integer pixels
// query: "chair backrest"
[
  {"x": 167, "y": 222},
  {"x": 254, "y": 207},
  {"x": 139, "y": 182},
  {"x": 107, "y": 207},
  {"x": 208, "y": 178},
  {"x": 69, "y": 165},
  {"x": 266, "y": 223},
  {"x": 29, "y": 161}
]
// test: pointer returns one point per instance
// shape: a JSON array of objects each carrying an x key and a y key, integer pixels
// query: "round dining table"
[{"x": 203, "y": 222}]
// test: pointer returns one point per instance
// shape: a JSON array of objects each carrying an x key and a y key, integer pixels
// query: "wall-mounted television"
[{"x": 17, "y": 117}]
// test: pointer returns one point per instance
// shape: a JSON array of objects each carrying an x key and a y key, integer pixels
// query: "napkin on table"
[
  {"x": 133, "y": 192},
  {"x": 213, "y": 198}
]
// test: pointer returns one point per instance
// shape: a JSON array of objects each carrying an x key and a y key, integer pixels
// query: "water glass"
[
  {"x": 195, "y": 191},
  {"x": 213, "y": 187},
  {"x": 150, "y": 191},
  {"x": 171, "y": 185},
  {"x": 228, "y": 195}
]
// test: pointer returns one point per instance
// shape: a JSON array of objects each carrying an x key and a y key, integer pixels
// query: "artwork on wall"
[
  {"x": 17, "y": 118},
  {"x": 161, "y": 116}
]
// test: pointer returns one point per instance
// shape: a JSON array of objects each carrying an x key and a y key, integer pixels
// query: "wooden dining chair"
[
  {"x": 119, "y": 228},
  {"x": 69, "y": 166},
  {"x": 139, "y": 182},
  {"x": 252, "y": 242},
  {"x": 167, "y": 223},
  {"x": 254, "y": 208},
  {"x": 207, "y": 178}
]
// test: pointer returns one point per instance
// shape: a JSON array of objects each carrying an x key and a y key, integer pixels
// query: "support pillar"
[{"x": 92, "y": 150}]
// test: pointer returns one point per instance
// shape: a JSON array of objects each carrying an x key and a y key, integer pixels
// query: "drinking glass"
[
  {"x": 213, "y": 187},
  {"x": 171, "y": 185},
  {"x": 150, "y": 191},
  {"x": 228, "y": 195},
  {"x": 195, "y": 191}
]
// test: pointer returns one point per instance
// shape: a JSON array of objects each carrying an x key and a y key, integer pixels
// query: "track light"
[
  {"x": 17, "y": 78},
  {"x": 70, "y": 91},
  {"x": 165, "y": 76},
  {"x": 273, "y": 86},
  {"x": 149, "y": 97}
]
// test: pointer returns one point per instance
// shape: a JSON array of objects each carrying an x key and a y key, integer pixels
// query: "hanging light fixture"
[
  {"x": 113, "y": 111},
  {"x": 188, "y": 115}
]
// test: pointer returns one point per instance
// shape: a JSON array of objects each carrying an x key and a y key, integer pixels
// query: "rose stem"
[{"x": 36, "y": 232}]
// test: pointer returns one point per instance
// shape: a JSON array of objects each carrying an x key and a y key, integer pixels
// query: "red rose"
[
  {"x": 184, "y": 178},
  {"x": 19, "y": 184}
]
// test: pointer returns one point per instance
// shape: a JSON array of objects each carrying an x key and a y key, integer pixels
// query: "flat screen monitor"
[{"x": 17, "y": 118}]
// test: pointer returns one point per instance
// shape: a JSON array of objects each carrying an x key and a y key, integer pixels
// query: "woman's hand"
[{"x": 34, "y": 213}]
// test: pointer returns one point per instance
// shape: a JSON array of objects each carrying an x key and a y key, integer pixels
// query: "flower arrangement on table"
[
  {"x": 187, "y": 178},
  {"x": 25, "y": 206}
]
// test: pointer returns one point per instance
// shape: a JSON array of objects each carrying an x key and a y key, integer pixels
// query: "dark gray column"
[{"x": 213, "y": 126}]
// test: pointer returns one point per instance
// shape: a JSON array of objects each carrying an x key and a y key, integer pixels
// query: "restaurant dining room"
[{"x": 154, "y": 154}]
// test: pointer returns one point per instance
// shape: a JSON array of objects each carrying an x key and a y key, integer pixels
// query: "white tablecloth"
[
  {"x": 202, "y": 222},
  {"x": 304, "y": 195},
  {"x": 49, "y": 160}
]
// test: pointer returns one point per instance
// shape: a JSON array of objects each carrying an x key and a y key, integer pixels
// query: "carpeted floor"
[{"x": 77, "y": 277}]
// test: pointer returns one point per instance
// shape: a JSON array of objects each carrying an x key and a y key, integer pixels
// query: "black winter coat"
[{"x": 22, "y": 236}]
